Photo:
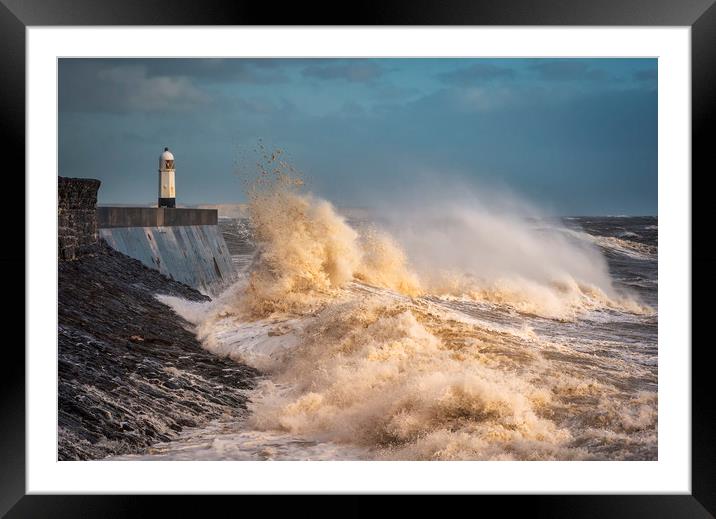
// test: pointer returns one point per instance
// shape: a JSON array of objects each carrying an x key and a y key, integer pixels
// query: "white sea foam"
[{"x": 360, "y": 355}]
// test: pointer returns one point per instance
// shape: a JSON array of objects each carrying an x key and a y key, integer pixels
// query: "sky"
[{"x": 573, "y": 136}]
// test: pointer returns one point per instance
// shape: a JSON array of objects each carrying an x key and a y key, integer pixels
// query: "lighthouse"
[{"x": 167, "y": 193}]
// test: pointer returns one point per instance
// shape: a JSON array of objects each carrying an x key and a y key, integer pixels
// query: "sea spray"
[
  {"x": 307, "y": 251},
  {"x": 494, "y": 247},
  {"x": 366, "y": 346},
  {"x": 374, "y": 373}
]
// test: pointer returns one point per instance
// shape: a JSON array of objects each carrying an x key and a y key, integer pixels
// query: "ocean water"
[{"x": 460, "y": 333}]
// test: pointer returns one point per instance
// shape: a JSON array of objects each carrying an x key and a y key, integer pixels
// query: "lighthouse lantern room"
[{"x": 167, "y": 193}]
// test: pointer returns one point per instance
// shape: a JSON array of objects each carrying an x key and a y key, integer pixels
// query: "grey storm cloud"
[
  {"x": 646, "y": 75},
  {"x": 255, "y": 70},
  {"x": 476, "y": 73},
  {"x": 154, "y": 85},
  {"x": 567, "y": 70},
  {"x": 124, "y": 88},
  {"x": 355, "y": 71}
]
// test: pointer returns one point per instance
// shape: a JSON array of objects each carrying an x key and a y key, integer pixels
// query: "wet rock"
[{"x": 131, "y": 372}]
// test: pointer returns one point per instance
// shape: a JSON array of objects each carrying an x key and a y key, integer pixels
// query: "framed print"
[{"x": 444, "y": 250}]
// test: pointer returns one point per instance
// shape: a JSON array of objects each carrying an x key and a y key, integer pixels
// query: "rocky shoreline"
[{"x": 131, "y": 371}]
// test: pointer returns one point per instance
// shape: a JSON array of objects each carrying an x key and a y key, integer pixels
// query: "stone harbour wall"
[
  {"x": 195, "y": 255},
  {"x": 76, "y": 216},
  {"x": 184, "y": 244}
]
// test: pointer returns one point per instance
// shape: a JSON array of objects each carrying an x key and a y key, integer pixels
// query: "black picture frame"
[{"x": 700, "y": 15}]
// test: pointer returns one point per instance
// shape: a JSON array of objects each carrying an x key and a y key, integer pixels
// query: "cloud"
[
  {"x": 355, "y": 71},
  {"x": 155, "y": 85},
  {"x": 125, "y": 88},
  {"x": 351, "y": 108},
  {"x": 256, "y": 71},
  {"x": 140, "y": 92},
  {"x": 387, "y": 91},
  {"x": 646, "y": 74},
  {"x": 567, "y": 70},
  {"x": 468, "y": 101},
  {"x": 262, "y": 106},
  {"x": 476, "y": 73},
  {"x": 214, "y": 70}
]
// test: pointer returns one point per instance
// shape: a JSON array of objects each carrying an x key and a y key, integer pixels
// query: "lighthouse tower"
[{"x": 167, "y": 193}]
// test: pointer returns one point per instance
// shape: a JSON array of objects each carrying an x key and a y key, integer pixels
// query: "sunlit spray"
[{"x": 375, "y": 336}]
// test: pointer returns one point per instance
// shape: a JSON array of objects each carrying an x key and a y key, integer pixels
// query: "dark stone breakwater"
[
  {"x": 76, "y": 215},
  {"x": 131, "y": 371}
]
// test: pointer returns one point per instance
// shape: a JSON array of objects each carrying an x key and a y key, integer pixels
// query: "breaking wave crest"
[
  {"x": 307, "y": 252},
  {"x": 380, "y": 375},
  {"x": 345, "y": 324},
  {"x": 621, "y": 245}
]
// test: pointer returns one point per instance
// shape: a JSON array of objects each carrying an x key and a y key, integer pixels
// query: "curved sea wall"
[
  {"x": 131, "y": 372},
  {"x": 183, "y": 244}
]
